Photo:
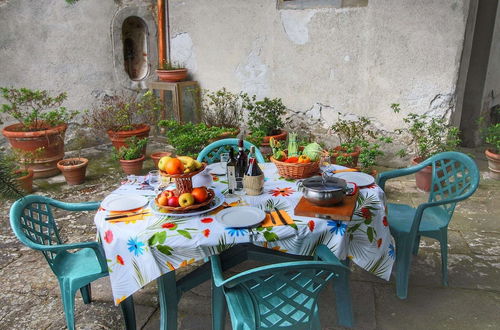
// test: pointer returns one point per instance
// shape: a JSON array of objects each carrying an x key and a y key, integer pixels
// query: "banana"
[
  {"x": 198, "y": 164},
  {"x": 188, "y": 162}
]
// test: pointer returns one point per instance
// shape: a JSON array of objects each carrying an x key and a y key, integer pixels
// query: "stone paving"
[{"x": 30, "y": 297}]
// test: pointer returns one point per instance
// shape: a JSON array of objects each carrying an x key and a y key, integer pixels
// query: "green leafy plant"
[
  {"x": 170, "y": 65},
  {"x": 370, "y": 151},
  {"x": 256, "y": 137},
  {"x": 429, "y": 135},
  {"x": 9, "y": 187},
  {"x": 189, "y": 139},
  {"x": 35, "y": 110},
  {"x": 491, "y": 133},
  {"x": 124, "y": 113},
  {"x": 222, "y": 108},
  {"x": 350, "y": 132},
  {"x": 265, "y": 115},
  {"x": 134, "y": 149}
]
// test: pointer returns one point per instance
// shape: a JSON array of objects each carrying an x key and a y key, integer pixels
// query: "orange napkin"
[
  {"x": 346, "y": 170},
  {"x": 268, "y": 223},
  {"x": 133, "y": 218}
]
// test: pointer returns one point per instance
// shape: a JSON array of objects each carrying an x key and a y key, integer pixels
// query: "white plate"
[
  {"x": 240, "y": 216},
  {"x": 123, "y": 202},
  {"x": 218, "y": 200},
  {"x": 216, "y": 168},
  {"x": 359, "y": 178}
]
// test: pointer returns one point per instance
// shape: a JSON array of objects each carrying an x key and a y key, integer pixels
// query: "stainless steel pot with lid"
[{"x": 326, "y": 190}]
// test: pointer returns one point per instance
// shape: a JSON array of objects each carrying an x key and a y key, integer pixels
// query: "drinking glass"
[
  {"x": 224, "y": 158},
  {"x": 154, "y": 180}
]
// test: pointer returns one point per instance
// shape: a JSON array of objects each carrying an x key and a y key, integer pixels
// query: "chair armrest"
[
  {"x": 383, "y": 177},
  {"x": 84, "y": 206},
  {"x": 325, "y": 254},
  {"x": 217, "y": 271}
]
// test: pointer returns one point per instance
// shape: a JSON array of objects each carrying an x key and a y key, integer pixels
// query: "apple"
[
  {"x": 200, "y": 194},
  {"x": 162, "y": 163},
  {"x": 163, "y": 200},
  {"x": 186, "y": 199},
  {"x": 173, "y": 201},
  {"x": 168, "y": 193}
]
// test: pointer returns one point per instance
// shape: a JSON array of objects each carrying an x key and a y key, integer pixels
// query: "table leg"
[
  {"x": 128, "y": 311},
  {"x": 167, "y": 291}
]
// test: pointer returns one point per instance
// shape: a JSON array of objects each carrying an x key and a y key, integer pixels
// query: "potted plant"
[
  {"x": 370, "y": 151},
  {"x": 123, "y": 116},
  {"x": 42, "y": 122},
  {"x": 428, "y": 136},
  {"x": 74, "y": 169},
  {"x": 351, "y": 133},
  {"x": 189, "y": 139},
  {"x": 131, "y": 156},
  {"x": 11, "y": 185},
  {"x": 156, "y": 156},
  {"x": 18, "y": 162},
  {"x": 264, "y": 118},
  {"x": 492, "y": 138},
  {"x": 223, "y": 108},
  {"x": 171, "y": 72}
]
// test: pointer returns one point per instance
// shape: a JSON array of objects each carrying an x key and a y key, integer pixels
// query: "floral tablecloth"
[{"x": 140, "y": 251}]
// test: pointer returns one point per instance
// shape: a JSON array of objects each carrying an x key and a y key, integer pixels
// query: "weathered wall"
[
  {"x": 60, "y": 47},
  {"x": 355, "y": 60},
  {"x": 492, "y": 83}
]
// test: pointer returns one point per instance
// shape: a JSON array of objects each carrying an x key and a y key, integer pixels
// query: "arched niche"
[{"x": 133, "y": 34}]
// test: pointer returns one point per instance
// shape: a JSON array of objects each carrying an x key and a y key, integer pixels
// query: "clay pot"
[
  {"x": 25, "y": 182},
  {"x": 118, "y": 137},
  {"x": 493, "y": 164},
  {"x": 226, "y": 135},
  {"x": 337, "y": 151},
  {"x": 172, "y": 75},
  {"x": 50, "y": 141},
  {"x": 73, "y": 169},
  {"x": 133, "y": 166},
  {"x": 279, "y": 137},
  {"x": 155, "y": 156},
  {"x": 423, "y": 177}
]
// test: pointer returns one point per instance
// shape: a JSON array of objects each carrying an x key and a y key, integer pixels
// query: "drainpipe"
[
  {"x": 168, "y": 30},
  {"x": 161, "y": 32}
]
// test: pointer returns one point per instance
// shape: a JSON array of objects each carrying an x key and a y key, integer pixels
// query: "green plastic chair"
[
  {"x": 211, "y": 153},
  {"x": 283, "y": 295},
  {"x": 455, "y": 177},
  {"x": 33, "y": 223}
]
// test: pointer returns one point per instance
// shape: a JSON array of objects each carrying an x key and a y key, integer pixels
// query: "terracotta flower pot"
[
  {"x": 118, "y": 137},
  {"x": 279, "y": 137},
  {"x": 172, "y": 75},
  {"x": 155, "y": 156},
  {"x": 25, "y": 182},
  {"x": 50, "y": 141},
  {"x": 337, "y": 151},
  {"x": 133, "y": 166},
  {"x": 73, "y": 169},
  {"x": 493, "y": 164},
  {"x": 423, "y": 177}
]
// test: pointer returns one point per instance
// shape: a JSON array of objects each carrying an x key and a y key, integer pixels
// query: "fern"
[{"x": 8, "y": 185}]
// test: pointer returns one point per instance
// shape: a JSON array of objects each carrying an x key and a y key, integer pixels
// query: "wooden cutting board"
[{"x": 342, "y": 211}]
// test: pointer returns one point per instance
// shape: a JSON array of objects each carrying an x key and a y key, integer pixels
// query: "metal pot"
[{"x": 326, "y": 191}]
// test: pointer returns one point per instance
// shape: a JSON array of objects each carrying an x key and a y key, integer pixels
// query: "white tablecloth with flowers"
[{"x": 140, "y": 251}]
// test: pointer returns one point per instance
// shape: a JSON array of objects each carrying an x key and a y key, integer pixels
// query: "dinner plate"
[
  {"x": 218, "y": 200},
  {"x": 123, "y": 202},
  {"x": 359, "y": 178},
  {"x": 240, "y": 216},
  {"x": 217, "y": 168}
]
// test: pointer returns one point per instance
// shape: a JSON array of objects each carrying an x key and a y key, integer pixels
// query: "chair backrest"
[
  {"x": 33, "y": 223},
  {"x": 455, "y": 177},
  {"x": 211, "y": 153},
  {"x": 283, "y": 295}
]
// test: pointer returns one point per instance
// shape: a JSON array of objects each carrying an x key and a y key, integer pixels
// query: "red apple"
[
  {"x": 173, "y": 201},
  {"x": 168, "y": 193}
]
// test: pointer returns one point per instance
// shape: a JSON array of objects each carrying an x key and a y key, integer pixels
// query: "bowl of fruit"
[
  {"x": 181, "y": 169},
  {"x": 295, "y": 162},
  {"x": 170, "y": 201}
]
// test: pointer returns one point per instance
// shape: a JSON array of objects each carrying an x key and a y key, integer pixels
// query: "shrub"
[{"x": 265, "y": 115}]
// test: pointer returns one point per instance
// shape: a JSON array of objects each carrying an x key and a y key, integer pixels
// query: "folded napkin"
[
  {"x": 268, "y": 222},
  {"x": 346, "y": 170},
  {"x": 143, "y": 213}
]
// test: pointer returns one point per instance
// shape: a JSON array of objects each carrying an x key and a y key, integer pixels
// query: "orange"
[
  {"x": 174, "y": 166},
  {"x": 200, "y": 194},
  {"x": 163, "y": 200}
]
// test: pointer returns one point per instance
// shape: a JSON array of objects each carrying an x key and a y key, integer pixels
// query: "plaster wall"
[
  {"x": 355, "y": 60},
  {"x": 492, "y": 84}
]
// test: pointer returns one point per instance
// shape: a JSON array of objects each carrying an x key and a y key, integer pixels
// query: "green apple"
[
  {"x": 186, "y": 199},
  {"x": 162, "y": 163}
]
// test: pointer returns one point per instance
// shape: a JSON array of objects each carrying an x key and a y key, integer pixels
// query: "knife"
[{"x": 282, "y": 218}]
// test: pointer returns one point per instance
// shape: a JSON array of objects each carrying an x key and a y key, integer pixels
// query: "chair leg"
[
  {"x": 443, "y": 242},
  {"x": 343, "y": 300},
  {"x": 403, "y": 259},
  {"x": 218, "y": 308},
  {"x": 68, "y": 299},
  {"x": 86, "y": 292},
  {"x": 416, "y": 245},
  {"x": 167, "y": 291},
  {"x": 128, "y": 311}
]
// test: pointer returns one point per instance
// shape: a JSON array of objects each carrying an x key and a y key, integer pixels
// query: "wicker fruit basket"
[
  {"x": 180, "y": 209},
  {"x": 296, "y": 170},
  {"x": 184, "y": 182}
]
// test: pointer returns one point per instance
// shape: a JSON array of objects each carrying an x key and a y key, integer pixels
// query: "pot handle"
[{"x": 353, "y": 190}]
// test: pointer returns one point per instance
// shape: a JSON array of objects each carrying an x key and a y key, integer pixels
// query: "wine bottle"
[
  {"x": 253, "y": 168},
  {"x": 241, "y": 165},
  {"x": 231, "y": 172},
  {"x": 254, "y": 178}
]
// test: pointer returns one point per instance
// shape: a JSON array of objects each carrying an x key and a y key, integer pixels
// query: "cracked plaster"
[
  {"x": 295, "y": 23},
  {"x": 183, "y": 51}
]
